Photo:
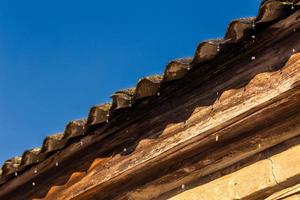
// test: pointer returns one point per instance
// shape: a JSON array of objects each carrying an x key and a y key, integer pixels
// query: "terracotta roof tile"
[
  {"x": 31, "y": 156},
  {"x": 98, "y": 114},
  {"x": 11, "y": 166},
  {"x": 274, "y": 10},
  {"x": 207, "y": 50},
  {"x": 148, "y": 86},
  {"x": 123, "y": 98},
  {"x": 177, "y": 69},
  {"x": 74, "y": 129},
  {"x": 239, "y": 29},
  {"x": 53, "y": 143}
]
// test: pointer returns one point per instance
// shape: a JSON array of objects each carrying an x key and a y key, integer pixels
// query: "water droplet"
[
  {"x": 56, "y": 164},
  {"x": 81, "y": 143},
  {"x": 294, "y": 50},
  {"x": 292, "y": 7},
  {"x": 33, "y": 183},
  {"x": 16, "y": 173},
  {"x": 253, "y": 25},
  {"x": 158, "y": 94},
  {"x": 217, "y": 138},
  {"x": 107, "y": 115},
  {"x": 124, "y": 149},
  {"x": 127, "y": 131},
  {"x": 183, "y": 186},
  {"x": 35, "y": 171},
  {"x": 107, "y": 121},
  {"x": 253, "y": 58},
  {"x": 189, "y": 68},
  {"x": 259, "y": 145},
  {"x": 253, "y": 36}
]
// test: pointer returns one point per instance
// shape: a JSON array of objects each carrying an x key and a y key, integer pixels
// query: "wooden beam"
[
  {"x": 239, "y": 109},
  {"x": 293, "y": 191},
  {"x": 268, "y": 173}
]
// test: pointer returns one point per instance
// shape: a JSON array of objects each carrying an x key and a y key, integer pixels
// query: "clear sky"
[{"x": 60, "y": 57}]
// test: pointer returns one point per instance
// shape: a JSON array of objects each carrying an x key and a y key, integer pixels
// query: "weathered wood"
[
  {"x": 154, "y": 152},
  {"x": 293, "y": 191},
  {"x": 208, "y": 160},
  {"x": 171, "y": 116},
  {"x": 122, "y": 170},
  {"x": 264, "y": 174},
  {"x": 293, "y": 197}
]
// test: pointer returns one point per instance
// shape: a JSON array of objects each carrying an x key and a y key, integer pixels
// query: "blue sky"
[{"x": 58, "y": 58}]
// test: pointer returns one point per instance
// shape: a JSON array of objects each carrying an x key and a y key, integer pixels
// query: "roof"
[{"x": 242, "y": 30}]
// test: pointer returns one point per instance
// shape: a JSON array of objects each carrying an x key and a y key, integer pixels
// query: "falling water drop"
[
  {"x": 125, "y": 150},
  {"x": 56, "y": 164},
  {"x": 183, "y": 186},
  {"x": 217, "y": 138},
  {"x": 158, "y": 94},
  {"x": 253, "y": 58},
  {"x": 33, "y": 183}
]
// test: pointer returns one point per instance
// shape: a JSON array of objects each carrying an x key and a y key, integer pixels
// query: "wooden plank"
[
  {"x": 158, "y": 150},
  {"x": 266, "y": 173},
  {"x": 122, "y": 171},
  {"x": 286, "y": 193},
  {"x": 172, "y": 115}
]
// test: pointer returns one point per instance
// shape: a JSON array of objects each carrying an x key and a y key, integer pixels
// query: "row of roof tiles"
[{"x": 238, "y": 30}]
